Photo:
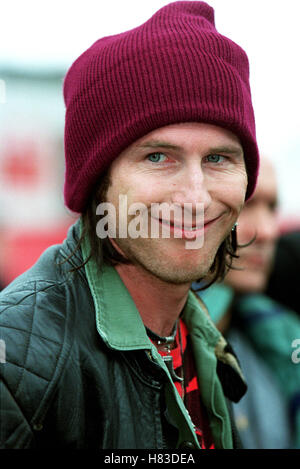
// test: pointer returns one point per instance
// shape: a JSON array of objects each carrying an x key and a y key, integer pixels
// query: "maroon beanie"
[{"x": 173, "y": 68}]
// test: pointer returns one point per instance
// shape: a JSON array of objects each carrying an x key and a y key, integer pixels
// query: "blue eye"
[
  {"x": 215, "y": 158},
  {"x": 156, "y": 157}
]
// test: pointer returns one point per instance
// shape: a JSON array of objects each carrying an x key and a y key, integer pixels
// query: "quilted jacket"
[{"x": 80, "y": 371}]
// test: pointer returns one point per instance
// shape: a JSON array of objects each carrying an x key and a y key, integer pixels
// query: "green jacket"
[{"x": 80, "y": 371}]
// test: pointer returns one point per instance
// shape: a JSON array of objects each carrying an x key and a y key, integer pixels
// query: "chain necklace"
[{"x": 166, "y": 344}]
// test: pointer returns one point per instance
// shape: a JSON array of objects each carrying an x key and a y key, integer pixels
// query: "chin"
[
  {"x": 251, "y": 285},
  {"x": 171, "y": 263},
  {"x": 181, "y": 278},
  {"x": 175, "y": 273}
]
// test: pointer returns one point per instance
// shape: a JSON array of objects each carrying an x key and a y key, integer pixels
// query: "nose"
[{"x": 191, "y": 187}]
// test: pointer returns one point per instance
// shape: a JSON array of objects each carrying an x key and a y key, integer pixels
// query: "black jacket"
[{"x": 61, "y": 385}]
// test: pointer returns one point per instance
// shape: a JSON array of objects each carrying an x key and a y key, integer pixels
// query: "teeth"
[{"x": 184, "y": 228}]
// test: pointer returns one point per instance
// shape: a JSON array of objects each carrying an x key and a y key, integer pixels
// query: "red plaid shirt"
[{"x": 192, "y": 396}]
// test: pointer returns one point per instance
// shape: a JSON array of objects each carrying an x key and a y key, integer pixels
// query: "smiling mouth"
[
  {"x": 186, "y": 227},
  {"x": 182, "y": 230},
  {"x": 180, "y": 226}
]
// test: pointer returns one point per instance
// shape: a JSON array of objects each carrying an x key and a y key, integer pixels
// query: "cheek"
[
  {"x": 234, "y": 197},
  {"x": 136, "y": 189},
  {"x": 112, "y": 194},
  {"x": 231, "y": 190},
  {"x": 241, "y": 188}
]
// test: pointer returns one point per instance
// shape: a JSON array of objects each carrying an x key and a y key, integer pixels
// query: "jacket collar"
[
  {"x": 117, "y": 318},
  {"x": 120, "y": 325}
]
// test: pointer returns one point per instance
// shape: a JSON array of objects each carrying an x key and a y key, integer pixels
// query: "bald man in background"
[
  {"x": 260, "y": 330},
  {"x": 257, "y": 220}
]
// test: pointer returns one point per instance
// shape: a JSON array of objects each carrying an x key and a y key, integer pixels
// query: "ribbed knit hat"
[{"x": 173, "y": 68}]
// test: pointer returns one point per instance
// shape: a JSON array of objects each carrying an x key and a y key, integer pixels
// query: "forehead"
[
  {"x": 184, "y": 137},
  {"x": 206, "y": 133}
]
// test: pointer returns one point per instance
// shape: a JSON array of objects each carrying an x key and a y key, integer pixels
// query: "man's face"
[
  {"x": 258, "y": 218},
  {"x": 188, "y": 163}
]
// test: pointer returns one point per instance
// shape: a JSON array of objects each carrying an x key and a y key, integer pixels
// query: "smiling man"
[
  {"x": 185, "y": 168},
  {"x": 197, "y": 163},
  {"x": 106, "y": 344}
]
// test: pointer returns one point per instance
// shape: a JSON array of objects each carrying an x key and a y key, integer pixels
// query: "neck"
[{"x": 159, "y": 303}]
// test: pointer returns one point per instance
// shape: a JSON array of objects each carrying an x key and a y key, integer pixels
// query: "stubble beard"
[{"x": 155, "y": 260}]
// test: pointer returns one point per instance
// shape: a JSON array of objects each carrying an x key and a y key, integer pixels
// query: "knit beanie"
[{"x": 174, "y": 68}]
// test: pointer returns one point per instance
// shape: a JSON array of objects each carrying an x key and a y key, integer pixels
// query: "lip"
[{"x": 188, "y": 231}]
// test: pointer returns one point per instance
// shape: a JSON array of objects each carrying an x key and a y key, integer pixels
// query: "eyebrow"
[
  {"x": 160, "y": 144},
  {"x": 231, "y": 149},
  {"x": 228, "y": 149}
]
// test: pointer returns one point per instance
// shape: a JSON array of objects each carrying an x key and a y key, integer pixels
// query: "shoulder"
[
  {"x": 30, "y": 308},
  {"x": 37, "y": 323},
  {"x": 35, "y": 301},
  {"x": 258, "y": 307},
  {"x": 38, "y": 307},
  {"x": 38, "y": 312}
]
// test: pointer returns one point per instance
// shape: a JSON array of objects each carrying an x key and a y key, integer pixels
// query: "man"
[
  {"x": 258, "y": 221},
  {"x": 107, "y": 347},
  {"x": 260, "y": 330},
  {"x": 283, "y": 281}
]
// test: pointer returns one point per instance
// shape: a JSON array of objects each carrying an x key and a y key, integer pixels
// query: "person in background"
[
  {"x": 283, "y": 283},
  {"x": 106, "y": 344},
  {"x": 258, "y": 222},
  {"x": 260, "y": 330}
]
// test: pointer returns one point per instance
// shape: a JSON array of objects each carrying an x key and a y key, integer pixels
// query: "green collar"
[{"x": 120, "y": 325}]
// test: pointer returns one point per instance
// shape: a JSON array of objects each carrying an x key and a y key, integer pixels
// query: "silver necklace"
[{"x": 167, "y": 343}]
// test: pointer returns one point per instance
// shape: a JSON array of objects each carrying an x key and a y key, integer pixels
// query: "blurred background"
[{"x": 40, "y": 40}]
